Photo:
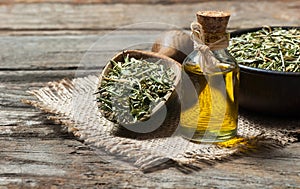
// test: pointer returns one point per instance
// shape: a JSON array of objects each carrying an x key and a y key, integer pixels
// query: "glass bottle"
[{"x": 210, "y": 80}]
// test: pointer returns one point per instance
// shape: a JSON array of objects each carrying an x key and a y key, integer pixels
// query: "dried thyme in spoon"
[
  {"x": 132, "y": 88},
  {"x": 274, "y": 49}
]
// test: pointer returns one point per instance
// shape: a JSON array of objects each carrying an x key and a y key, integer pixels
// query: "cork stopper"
[
  {"x": 214, "y": 24},
  {"x": 213, "y": 21}
]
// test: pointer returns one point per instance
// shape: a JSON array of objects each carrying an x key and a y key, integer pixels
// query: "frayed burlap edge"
[{"x": 72, "y": 103}]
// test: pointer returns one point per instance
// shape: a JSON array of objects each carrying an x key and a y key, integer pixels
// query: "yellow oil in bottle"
[{"x": 212, "y": 116}]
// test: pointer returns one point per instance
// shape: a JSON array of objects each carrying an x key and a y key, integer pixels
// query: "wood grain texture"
[
  {"x": 103, "y": 1},
  {"x": 92, "y": 18},
  {"x": 60, "y": 52},
  {"x": 110, "y": 1},
  {"x": 37, "y": 153}
]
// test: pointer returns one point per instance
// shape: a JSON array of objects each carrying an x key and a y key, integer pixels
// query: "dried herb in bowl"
[
  {"x": 132, "y": 88},
  {"x": 269, "y": 48}
]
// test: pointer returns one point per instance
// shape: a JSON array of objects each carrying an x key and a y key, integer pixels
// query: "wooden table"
[{"x": 44, "y": 40}]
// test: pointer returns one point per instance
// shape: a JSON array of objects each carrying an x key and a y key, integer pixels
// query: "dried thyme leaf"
[
  {"x": 132, "y": 88},
  {"x": 272, "y": 49}
]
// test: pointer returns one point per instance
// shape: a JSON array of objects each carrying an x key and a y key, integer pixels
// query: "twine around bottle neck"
[
  {"x": 207, "y": 61},
  {"x": 203, "y": 40}
]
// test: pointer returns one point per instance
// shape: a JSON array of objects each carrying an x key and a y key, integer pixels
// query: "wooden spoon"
[{"x": 159, "y": 112}]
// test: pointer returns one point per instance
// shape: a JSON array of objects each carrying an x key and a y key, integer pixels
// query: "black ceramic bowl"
[{"x": 268, "y": 92}]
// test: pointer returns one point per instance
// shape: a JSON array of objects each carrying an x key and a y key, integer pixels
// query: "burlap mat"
[{"x": 73, "y": 104}]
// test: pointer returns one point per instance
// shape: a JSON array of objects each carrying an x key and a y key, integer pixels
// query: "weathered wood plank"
[
  {"x": 37, "y": 151},
  {"x": 14, "y": 84},
  {"x": 103, "y": 1},
  {"x": 109, "y": 1},
  {"x": 67, "y": 161},
  {"x": 59, "y": 52},
  {"x": 95, "y": 17},
  {"x": 36, "y": 161},
  {"x": 34, "y": 152}
]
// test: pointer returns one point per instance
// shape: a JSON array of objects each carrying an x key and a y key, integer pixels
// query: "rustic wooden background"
[{"x": 44, "y": 40}]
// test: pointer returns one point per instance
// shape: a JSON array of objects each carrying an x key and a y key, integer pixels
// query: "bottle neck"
[{"x": 216, "y": 41}]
